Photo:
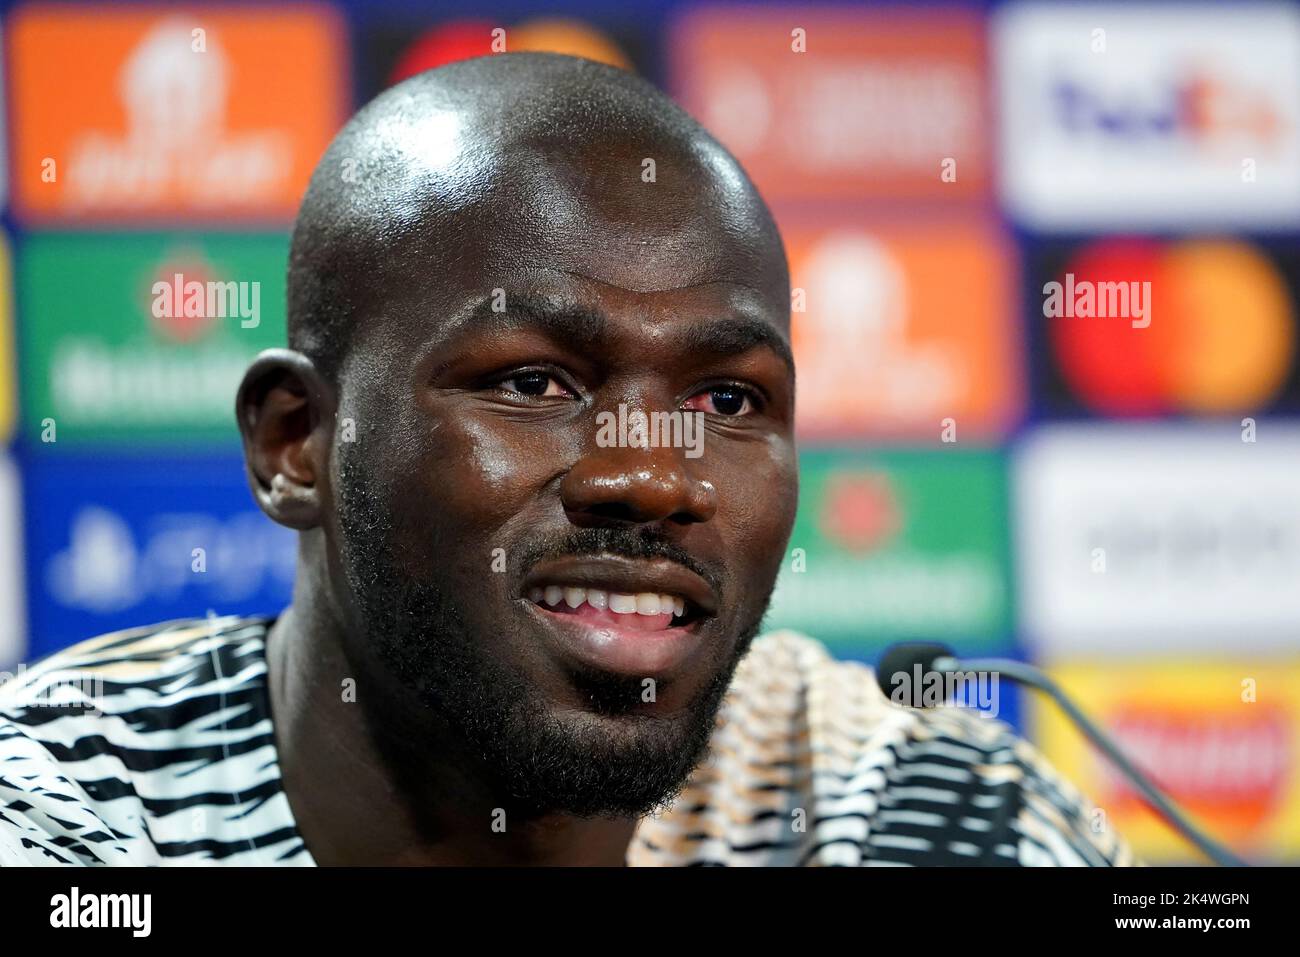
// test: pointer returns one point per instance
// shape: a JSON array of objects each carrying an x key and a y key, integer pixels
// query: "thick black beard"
[{"x": 539, "y": 762}]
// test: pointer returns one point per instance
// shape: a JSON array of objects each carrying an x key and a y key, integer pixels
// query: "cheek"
[
  {"x": 759, "y": 497},
  {"x": 786, "y": 466},
  {"x": 477, "y": 474}
]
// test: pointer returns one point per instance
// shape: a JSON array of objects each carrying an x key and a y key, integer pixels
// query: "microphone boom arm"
[{"x": 1027, "y": 674}]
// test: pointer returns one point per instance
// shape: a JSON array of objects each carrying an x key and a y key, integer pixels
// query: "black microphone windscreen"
[{"x": 902, "y": 659}]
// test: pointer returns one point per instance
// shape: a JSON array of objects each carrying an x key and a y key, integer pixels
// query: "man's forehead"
[
  {"x": 674, "y": 247},
  {"x": 459, "y": 196},
  {"x": 584, "y": 313},
  {"x": 584, "y": 310}
]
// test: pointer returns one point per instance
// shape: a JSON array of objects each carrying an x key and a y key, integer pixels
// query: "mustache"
[{"x": 625, "y": 542}]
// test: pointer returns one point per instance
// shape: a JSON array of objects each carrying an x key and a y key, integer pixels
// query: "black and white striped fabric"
[{"x": 155, "y": 747}]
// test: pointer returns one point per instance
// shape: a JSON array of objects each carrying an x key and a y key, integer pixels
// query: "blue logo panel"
[{"x": 117, "y": 543}]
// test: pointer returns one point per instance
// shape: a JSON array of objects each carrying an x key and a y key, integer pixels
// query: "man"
[{"x": 518, "y": 635}]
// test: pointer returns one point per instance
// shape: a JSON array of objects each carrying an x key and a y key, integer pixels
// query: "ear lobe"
[{"x": 285, "y": 410}]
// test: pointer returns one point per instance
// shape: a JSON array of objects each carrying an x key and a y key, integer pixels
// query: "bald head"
[{"x": 447, "y": 182}]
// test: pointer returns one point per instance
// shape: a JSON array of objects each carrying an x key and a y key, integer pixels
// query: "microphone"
[{"x": 918, "y": 659}]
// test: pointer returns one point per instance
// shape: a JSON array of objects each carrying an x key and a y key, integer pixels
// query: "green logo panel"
[
  {"x": 899, "y": 545},
  {"x": 135, "y": 338}
]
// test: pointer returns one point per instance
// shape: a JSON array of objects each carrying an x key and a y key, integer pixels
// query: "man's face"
[{"x": 494, "y": 388}]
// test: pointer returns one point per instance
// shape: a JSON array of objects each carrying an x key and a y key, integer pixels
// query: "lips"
[
  {"x": 645, "y": 611},
  {"x": 630, "y": 616},
  {"x": 617, "y": 576}
]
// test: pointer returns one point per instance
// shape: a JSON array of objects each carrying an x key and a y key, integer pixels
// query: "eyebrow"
[
  {"x": 584, "y": 328},
  {"x": 563, "y": 322},
  {"x": 734, "y": 335}
]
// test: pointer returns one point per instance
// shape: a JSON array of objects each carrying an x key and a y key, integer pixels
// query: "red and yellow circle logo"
[
  {"x": 1209, "y": 328},
  {"x": 463, "y": 39}
]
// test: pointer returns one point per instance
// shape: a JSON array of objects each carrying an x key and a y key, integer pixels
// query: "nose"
[{"x": 634, "y": 485}]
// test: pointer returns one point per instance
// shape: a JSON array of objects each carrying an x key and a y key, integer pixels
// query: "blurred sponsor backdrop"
[{"x": 1104, "y": 479}]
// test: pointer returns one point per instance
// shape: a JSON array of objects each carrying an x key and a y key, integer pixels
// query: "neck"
[{"x": 353, "y": 803}]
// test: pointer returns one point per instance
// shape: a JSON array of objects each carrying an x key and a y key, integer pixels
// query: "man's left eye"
[
  {"x": 537, "y": 384},
  {"x": 722, "y": 400}
]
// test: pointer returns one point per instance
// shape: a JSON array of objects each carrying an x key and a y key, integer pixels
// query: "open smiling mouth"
[
  {"x": 641, "y": 611},
  {"x": 636, "y": 617}
]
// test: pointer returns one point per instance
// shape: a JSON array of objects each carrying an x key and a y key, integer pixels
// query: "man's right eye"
[{"x": 537, "y": 384}]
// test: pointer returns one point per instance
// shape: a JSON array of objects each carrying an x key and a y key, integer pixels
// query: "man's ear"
[{"x": 286, "y": 409}]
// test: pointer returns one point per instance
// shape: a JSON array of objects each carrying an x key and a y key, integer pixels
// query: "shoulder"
[
  {"x": 816, "y": 766},
  {"x": 140, "y": 672},
  {"x": 95, "y": 739}
]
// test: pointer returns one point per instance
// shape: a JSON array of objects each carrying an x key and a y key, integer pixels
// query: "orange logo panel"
[
  {"x": 145, "y": 114},
  {"x": 903, "y": 328},
  {"x": 843, "y": 103}
]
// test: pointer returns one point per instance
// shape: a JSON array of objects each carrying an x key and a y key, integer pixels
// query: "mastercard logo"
[
  {"x": 462, "y": 39},
  {"x": 1217, "y": 334}
]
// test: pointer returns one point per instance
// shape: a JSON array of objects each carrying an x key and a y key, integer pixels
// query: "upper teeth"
[{"x": 622, "y": 603}]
